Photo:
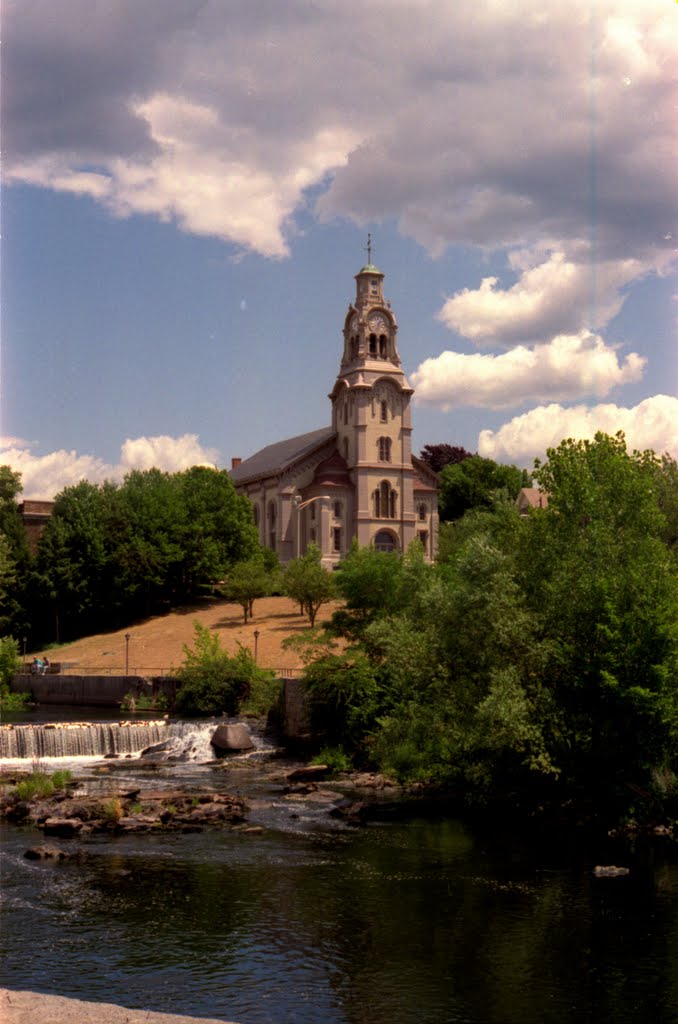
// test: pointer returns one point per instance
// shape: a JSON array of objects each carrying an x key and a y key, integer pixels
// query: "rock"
[
  {"x": 308, "y": 773},
  {"x": 234, "y": 737},
  {"x": 351, "y": 811},
  {"x": 155, "y": 748},
  {"x": 62, "y": 826},
  {"x": 46, "y": 853},
  {"x": 610, "y": 871}
]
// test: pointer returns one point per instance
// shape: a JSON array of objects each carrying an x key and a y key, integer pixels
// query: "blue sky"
[{"x": 189, "y": 184}]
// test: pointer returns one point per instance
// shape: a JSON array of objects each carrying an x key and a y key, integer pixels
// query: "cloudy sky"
[{"x": 187, "y": 191}]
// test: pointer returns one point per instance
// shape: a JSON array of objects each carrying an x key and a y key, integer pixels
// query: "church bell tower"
[{"x": 371, "y": 416}]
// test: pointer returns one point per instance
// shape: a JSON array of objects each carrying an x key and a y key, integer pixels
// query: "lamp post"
[
  {"x": 25, "y": 641},
  {"x": 256, "y": 644},
  {"x": 299, "y": 505},
  {"x": 127, "y": 639}
]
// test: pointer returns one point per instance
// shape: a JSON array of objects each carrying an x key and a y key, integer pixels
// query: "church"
[{"x": 357, "y": 478}]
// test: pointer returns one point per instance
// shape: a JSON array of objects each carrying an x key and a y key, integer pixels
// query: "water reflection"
[{"x": 425, "y": 922}]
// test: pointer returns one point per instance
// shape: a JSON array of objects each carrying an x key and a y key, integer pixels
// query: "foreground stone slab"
[{"x": 34, "y": 1008}]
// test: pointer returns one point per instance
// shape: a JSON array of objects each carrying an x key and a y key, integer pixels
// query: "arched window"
[
  {"x": 385, "y": 541},
  {"x": 383, "y": 412},
  {"x": 338, "y": 510},
  {"x": 423, "y": 511},
  {"x": 271, "y": 524},
  {"x": 384, "y": 447},
  {"x": 385, "y": 501},
  {"x": 383, "y": 350},
  {"x": 373, "y": 344}
]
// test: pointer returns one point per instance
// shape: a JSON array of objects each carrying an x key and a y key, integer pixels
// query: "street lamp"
[
  {"x": 127, "y": 639},
  {"x": 256, "y": 644},
  {"x": 299, "y": 505}
]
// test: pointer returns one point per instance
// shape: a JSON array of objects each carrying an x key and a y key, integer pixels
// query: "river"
[{"x": 315, "y": 922}]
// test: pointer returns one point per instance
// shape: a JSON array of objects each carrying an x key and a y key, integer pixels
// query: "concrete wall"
[{"x": 91, "y": 691}]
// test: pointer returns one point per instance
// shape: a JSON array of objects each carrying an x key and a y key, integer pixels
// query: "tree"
[
  {"x": 474, "y": 482},
  {"x": 306, "y": 582},
  {"x": 437, "y": 456},
  {"x": 370, "y": 583},
  {"x": 211, "y": 682},
  {"x": 245, "y": 582},
  {"x": 15, "y": 559},
  {"x": 596, "y": 568},
  {"x": 70, "y": 565}
]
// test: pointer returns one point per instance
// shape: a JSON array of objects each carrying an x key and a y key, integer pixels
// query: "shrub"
[
  {"x": 36, "y": 785},
  {"x": 336, "y": 759},
  {"x": 113, "y": 809},
  {"x": 211, "y": 682}
]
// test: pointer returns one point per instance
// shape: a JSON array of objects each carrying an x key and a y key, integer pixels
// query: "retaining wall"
[{"x": 92, "y": 691}]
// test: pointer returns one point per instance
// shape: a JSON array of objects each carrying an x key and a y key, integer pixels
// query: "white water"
[{"x": 61, "y": 741}]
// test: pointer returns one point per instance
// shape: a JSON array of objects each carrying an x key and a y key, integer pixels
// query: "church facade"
[{"x": 356, "y": 478}]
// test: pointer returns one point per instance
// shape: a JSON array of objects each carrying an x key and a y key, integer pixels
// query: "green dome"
[{"x": 370, "y": 268}]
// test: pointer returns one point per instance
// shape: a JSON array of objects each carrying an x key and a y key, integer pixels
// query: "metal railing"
[{"x": 66, "y": 668}]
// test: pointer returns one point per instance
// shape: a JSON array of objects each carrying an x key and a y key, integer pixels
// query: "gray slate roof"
[{"x": 278, "y": 456}]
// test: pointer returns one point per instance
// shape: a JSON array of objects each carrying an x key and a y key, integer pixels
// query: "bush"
[
  {"x": 211, "y": 682},
  {"x": 336, "y": 759}
]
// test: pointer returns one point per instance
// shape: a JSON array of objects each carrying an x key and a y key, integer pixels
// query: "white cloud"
[
  {"x": 653, "y": 423},
  {"x": 43, "y": 476},
  {"x": 469, "y": 130},
  {"x": 569, "y": 367},
  {"x": 558, "y": 295}
]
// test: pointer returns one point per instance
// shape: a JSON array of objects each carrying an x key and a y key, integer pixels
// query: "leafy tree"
[
  {"x": 211, "y": 682},
  {"x": 308, "y": 583},
  {"x": 437, "y": 456},
  {"x": 245, "y": 582},
  {"x": 474, "y": 483},
  {"x": 15, "y": 557},
  {"x": 216, "y": 527},
  {"x": 71, "y": 561},
  {"x": 597, "y": 568},
  {"x": 370, "y": 582}
]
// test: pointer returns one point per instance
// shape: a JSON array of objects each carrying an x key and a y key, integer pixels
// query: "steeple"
[{"x": 370, "y": 327}]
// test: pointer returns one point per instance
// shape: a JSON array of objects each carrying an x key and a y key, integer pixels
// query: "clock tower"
[{"x": 371, "y": 417}]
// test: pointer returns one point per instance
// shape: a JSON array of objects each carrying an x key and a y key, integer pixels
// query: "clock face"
[
  {"x": 353, "y": 326},
  {"x": 378, "y": 325}
]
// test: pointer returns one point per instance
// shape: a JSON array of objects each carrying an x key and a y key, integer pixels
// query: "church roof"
[
  {"x": 333, "y": 472},
  {"x": 276, "y": 457},
  {"x": 370, "y": 268}
]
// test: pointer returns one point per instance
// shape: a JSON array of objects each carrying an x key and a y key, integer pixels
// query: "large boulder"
[{"x": 232, "y": 738}]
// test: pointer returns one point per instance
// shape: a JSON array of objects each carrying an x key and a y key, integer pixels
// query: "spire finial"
[{"x": 369, "y": 247}]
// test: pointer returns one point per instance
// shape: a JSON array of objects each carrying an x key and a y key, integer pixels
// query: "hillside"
[{"x": 156, "y": 644}]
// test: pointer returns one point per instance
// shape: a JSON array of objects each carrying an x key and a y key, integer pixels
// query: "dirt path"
[{"x": 156, "y": 644}]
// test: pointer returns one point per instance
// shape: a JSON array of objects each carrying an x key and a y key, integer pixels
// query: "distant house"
[
  {"x": 35, "y": 515},
  {"x": 356, "y": 478},
  {"x": 530, "y": 498}
]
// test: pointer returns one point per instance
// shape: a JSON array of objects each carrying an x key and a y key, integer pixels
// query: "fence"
[{"x": 69, "y": 668}]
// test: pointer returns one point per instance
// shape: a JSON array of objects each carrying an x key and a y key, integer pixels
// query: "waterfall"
[
  {"x": 186, "y": 741},
  {"x": 79, "y": 739}
]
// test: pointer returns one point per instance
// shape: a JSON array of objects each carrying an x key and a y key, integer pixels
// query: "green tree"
[
  {"x": 370, "y": 583},
  {"x": 245, "y": 582},
  {"x": 15, "y": 559},
  {"x": 71, "y": 561},
  {"x": 210, "y": 681},
  {"x": 596, "y": 566},
  {"x": 308, "y": 583},
  {"x": 474, "y": 482}
]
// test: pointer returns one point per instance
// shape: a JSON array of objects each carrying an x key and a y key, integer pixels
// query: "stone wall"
[{"x": 91, "y": 691}]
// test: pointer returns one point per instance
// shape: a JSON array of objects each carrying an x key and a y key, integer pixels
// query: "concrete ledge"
[
  {"x": 91, "y": 691},
  {"x": 32, "y": 1007}
]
